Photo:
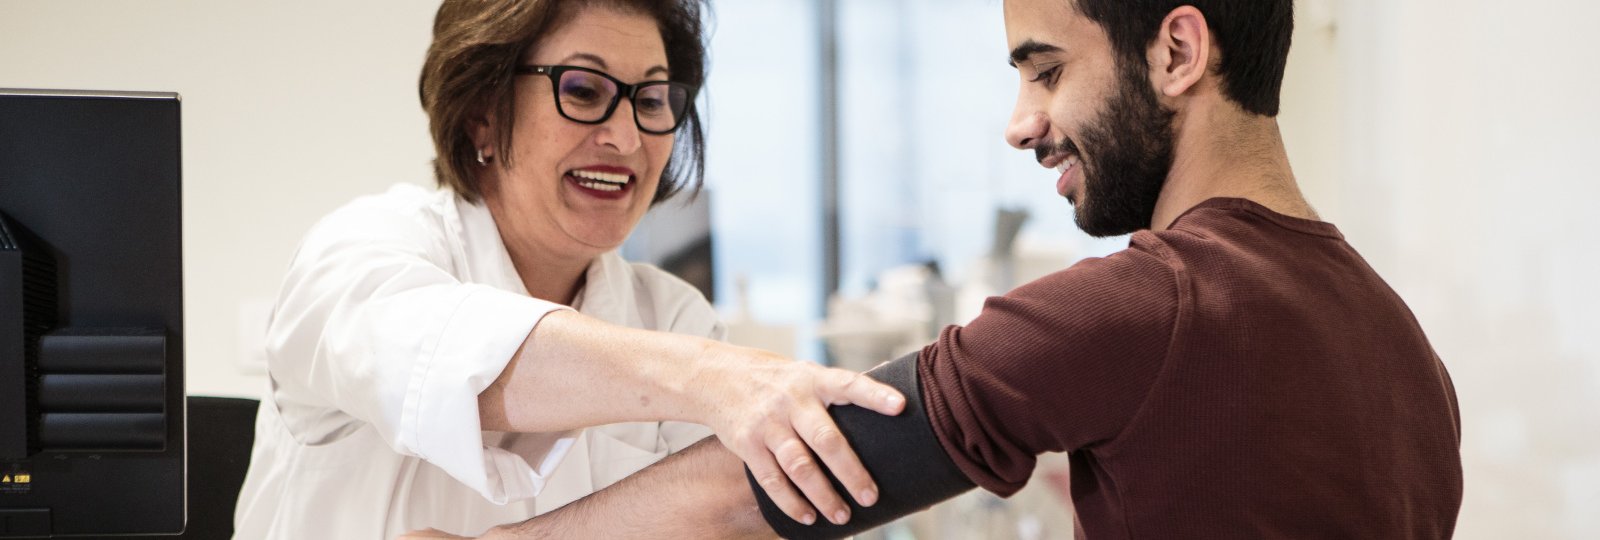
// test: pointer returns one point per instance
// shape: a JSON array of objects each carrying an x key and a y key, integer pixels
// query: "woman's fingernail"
[
  {"x": 840, "y": 517},
  {"x": 808, "y": 519},
  {"x": 868, "y": 497}
]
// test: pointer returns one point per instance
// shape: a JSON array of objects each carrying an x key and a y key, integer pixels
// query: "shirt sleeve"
[
  {"x": 1058, "y": 364},
  {"x": 372, "y": 327}
]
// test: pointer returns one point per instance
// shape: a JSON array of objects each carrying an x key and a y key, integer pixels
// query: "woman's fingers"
[
  {"x": 776, "y": 412},
  {"x": 824, "y": 438},
  {"x": 772, "y": 480},
  {"x": 804, "y": 471},
  {"x": 839, "y": 386}
]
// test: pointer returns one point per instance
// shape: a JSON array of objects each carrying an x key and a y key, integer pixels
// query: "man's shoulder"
[
  {"x": 1143, "y": 278},
  {"x": 1146, "y": 255}
]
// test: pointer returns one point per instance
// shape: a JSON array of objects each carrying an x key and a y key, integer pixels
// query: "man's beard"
[{"x": 1132, "y": 142}]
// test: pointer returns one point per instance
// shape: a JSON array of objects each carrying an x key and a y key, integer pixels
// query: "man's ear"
[{"x": 1181, "y": 52}]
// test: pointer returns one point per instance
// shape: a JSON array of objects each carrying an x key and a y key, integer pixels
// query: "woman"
[{"x": 425, "y": 370}]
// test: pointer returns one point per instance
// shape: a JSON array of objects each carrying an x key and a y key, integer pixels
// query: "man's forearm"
[{"x": 700, "y": 492}]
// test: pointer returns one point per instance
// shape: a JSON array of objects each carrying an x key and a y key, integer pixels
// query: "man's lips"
[
  {"x": 1063, "y": 157},
  {"x": 1069, "y": 166}
]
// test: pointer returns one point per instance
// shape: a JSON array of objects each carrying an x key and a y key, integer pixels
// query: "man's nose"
[{"x": 1026, "y": 129}]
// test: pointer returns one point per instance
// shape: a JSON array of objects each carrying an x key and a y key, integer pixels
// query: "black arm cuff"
[{"x": 900, "y": 452}]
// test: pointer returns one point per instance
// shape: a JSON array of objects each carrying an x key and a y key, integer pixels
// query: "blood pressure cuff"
[{"x": 900, "y": 452}]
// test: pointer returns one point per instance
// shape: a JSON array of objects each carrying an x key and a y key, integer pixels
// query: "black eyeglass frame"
[{"x": 554, "y": 72}]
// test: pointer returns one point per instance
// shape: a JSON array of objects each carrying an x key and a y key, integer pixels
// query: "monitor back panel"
[{"x": 95, "y": 177}]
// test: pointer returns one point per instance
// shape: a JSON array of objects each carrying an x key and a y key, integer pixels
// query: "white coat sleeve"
[{"x": 371, "y": 324}]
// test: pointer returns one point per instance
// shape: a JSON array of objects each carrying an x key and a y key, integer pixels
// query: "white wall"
[
  {"x": 290, "y": 108},
  {"x": 1450, "y": 139},
  {"x": 1463, "y": 170}
]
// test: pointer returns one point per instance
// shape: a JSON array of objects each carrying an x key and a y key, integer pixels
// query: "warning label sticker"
[{"x": 15, "y": 481}]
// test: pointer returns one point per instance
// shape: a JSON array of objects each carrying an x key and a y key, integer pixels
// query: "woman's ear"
[
  {"x": 1181, "y": 52},
  {"x": 484, "y": 135}
]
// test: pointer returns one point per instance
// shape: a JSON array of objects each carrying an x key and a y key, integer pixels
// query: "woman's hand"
[
  {"x": 576, "y": 371},
  {"x": 772, "y": 413}
]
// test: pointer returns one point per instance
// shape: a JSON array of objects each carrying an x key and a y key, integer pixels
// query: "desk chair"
[{"x": 221, "y": 433}]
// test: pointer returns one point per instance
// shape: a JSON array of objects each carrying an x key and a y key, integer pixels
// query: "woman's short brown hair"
[{"x": 469, "y": 71}]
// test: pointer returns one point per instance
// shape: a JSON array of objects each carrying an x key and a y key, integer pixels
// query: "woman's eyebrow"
[{"x": 601, "y": 63}]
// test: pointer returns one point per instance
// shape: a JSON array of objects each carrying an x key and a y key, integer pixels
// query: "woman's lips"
[{"x": 602, "y": 182}]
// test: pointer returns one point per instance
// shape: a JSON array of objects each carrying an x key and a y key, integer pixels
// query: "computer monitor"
[{"x": 92, "y": 415}]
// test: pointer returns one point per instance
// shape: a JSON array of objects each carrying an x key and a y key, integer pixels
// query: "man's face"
[{"x": 1092, "y": 119}]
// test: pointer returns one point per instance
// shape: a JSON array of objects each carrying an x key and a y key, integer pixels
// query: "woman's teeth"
[{"x": 600, "y": 181}]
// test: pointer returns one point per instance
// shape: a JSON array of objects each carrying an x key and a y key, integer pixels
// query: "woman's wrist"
[
  {"x": 675, "y": 374},
  {"x": 705, "y": 382}
]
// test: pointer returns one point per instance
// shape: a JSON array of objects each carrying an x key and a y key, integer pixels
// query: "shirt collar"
[{"x": 608, "y": 290}]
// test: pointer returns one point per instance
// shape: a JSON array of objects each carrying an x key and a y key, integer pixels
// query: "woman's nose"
[{"x": 620, "y": 131}]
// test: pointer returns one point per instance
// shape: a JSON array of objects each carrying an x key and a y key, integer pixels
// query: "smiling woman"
[
  {"x": 575, "y": 177},
  {"x": 480, "y": 354}
]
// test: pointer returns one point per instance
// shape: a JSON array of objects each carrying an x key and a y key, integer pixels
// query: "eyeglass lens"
[{"x": 585, "y": 97}]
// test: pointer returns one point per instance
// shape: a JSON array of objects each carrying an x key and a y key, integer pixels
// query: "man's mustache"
[{"x": 1047, "y": 148}]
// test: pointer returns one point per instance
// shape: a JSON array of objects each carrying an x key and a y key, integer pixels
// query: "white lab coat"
[{"x": 398, "y": 309}]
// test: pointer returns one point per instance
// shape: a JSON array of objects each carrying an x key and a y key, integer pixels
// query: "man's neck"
[{"x": 1222, "y": 152}]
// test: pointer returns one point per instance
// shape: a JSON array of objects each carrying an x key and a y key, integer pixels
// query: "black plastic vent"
[
  {"x": 24, "y": 261},
  {"x": 103, "y": 389}
]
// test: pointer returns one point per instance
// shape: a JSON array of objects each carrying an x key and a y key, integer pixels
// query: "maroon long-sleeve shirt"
[{"x": 1241, "y": 374}]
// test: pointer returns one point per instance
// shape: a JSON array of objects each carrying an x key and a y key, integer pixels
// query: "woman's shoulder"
[
  {"x": 400, "y": 200},
  {"x": 401, "y": 207},
  {"x": 405, "y": 214},
  {"x": 682, "y": 305},
  {"x": 651, "y": 279}
]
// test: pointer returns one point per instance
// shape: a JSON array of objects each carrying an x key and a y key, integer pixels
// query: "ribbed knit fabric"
[{"x": 1242, "y": 374}]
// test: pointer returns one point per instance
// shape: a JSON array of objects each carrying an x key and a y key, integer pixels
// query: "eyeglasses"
[{"x": 588, "y": 96}]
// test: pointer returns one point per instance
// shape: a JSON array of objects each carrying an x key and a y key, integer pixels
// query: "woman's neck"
[
  {"x": 546, "y": 272},
  {"x": 548, "y": 278}
]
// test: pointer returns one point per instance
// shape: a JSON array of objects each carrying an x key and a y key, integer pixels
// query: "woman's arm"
[
  {"x": 702, "y": 492},
  {"x": 575, "y": 371}
]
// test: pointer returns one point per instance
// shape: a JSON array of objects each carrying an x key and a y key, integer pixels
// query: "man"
[{"x": 1238, "y": 371}]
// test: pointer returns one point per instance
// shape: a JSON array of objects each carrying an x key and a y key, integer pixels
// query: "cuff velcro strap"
[{"x": 900, "y": 452}]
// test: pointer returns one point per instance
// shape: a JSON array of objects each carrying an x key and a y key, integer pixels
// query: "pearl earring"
[{"x": 481, "y": 160}]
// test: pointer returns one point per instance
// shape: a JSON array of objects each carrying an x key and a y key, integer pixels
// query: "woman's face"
[{"x": 556, "y": 196}]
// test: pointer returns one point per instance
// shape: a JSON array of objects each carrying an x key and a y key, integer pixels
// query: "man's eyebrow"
[{"x": 1029, "y": 48}]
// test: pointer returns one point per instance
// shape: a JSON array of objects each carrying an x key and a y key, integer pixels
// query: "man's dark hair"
[{"x": 1253, "y": 36}]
